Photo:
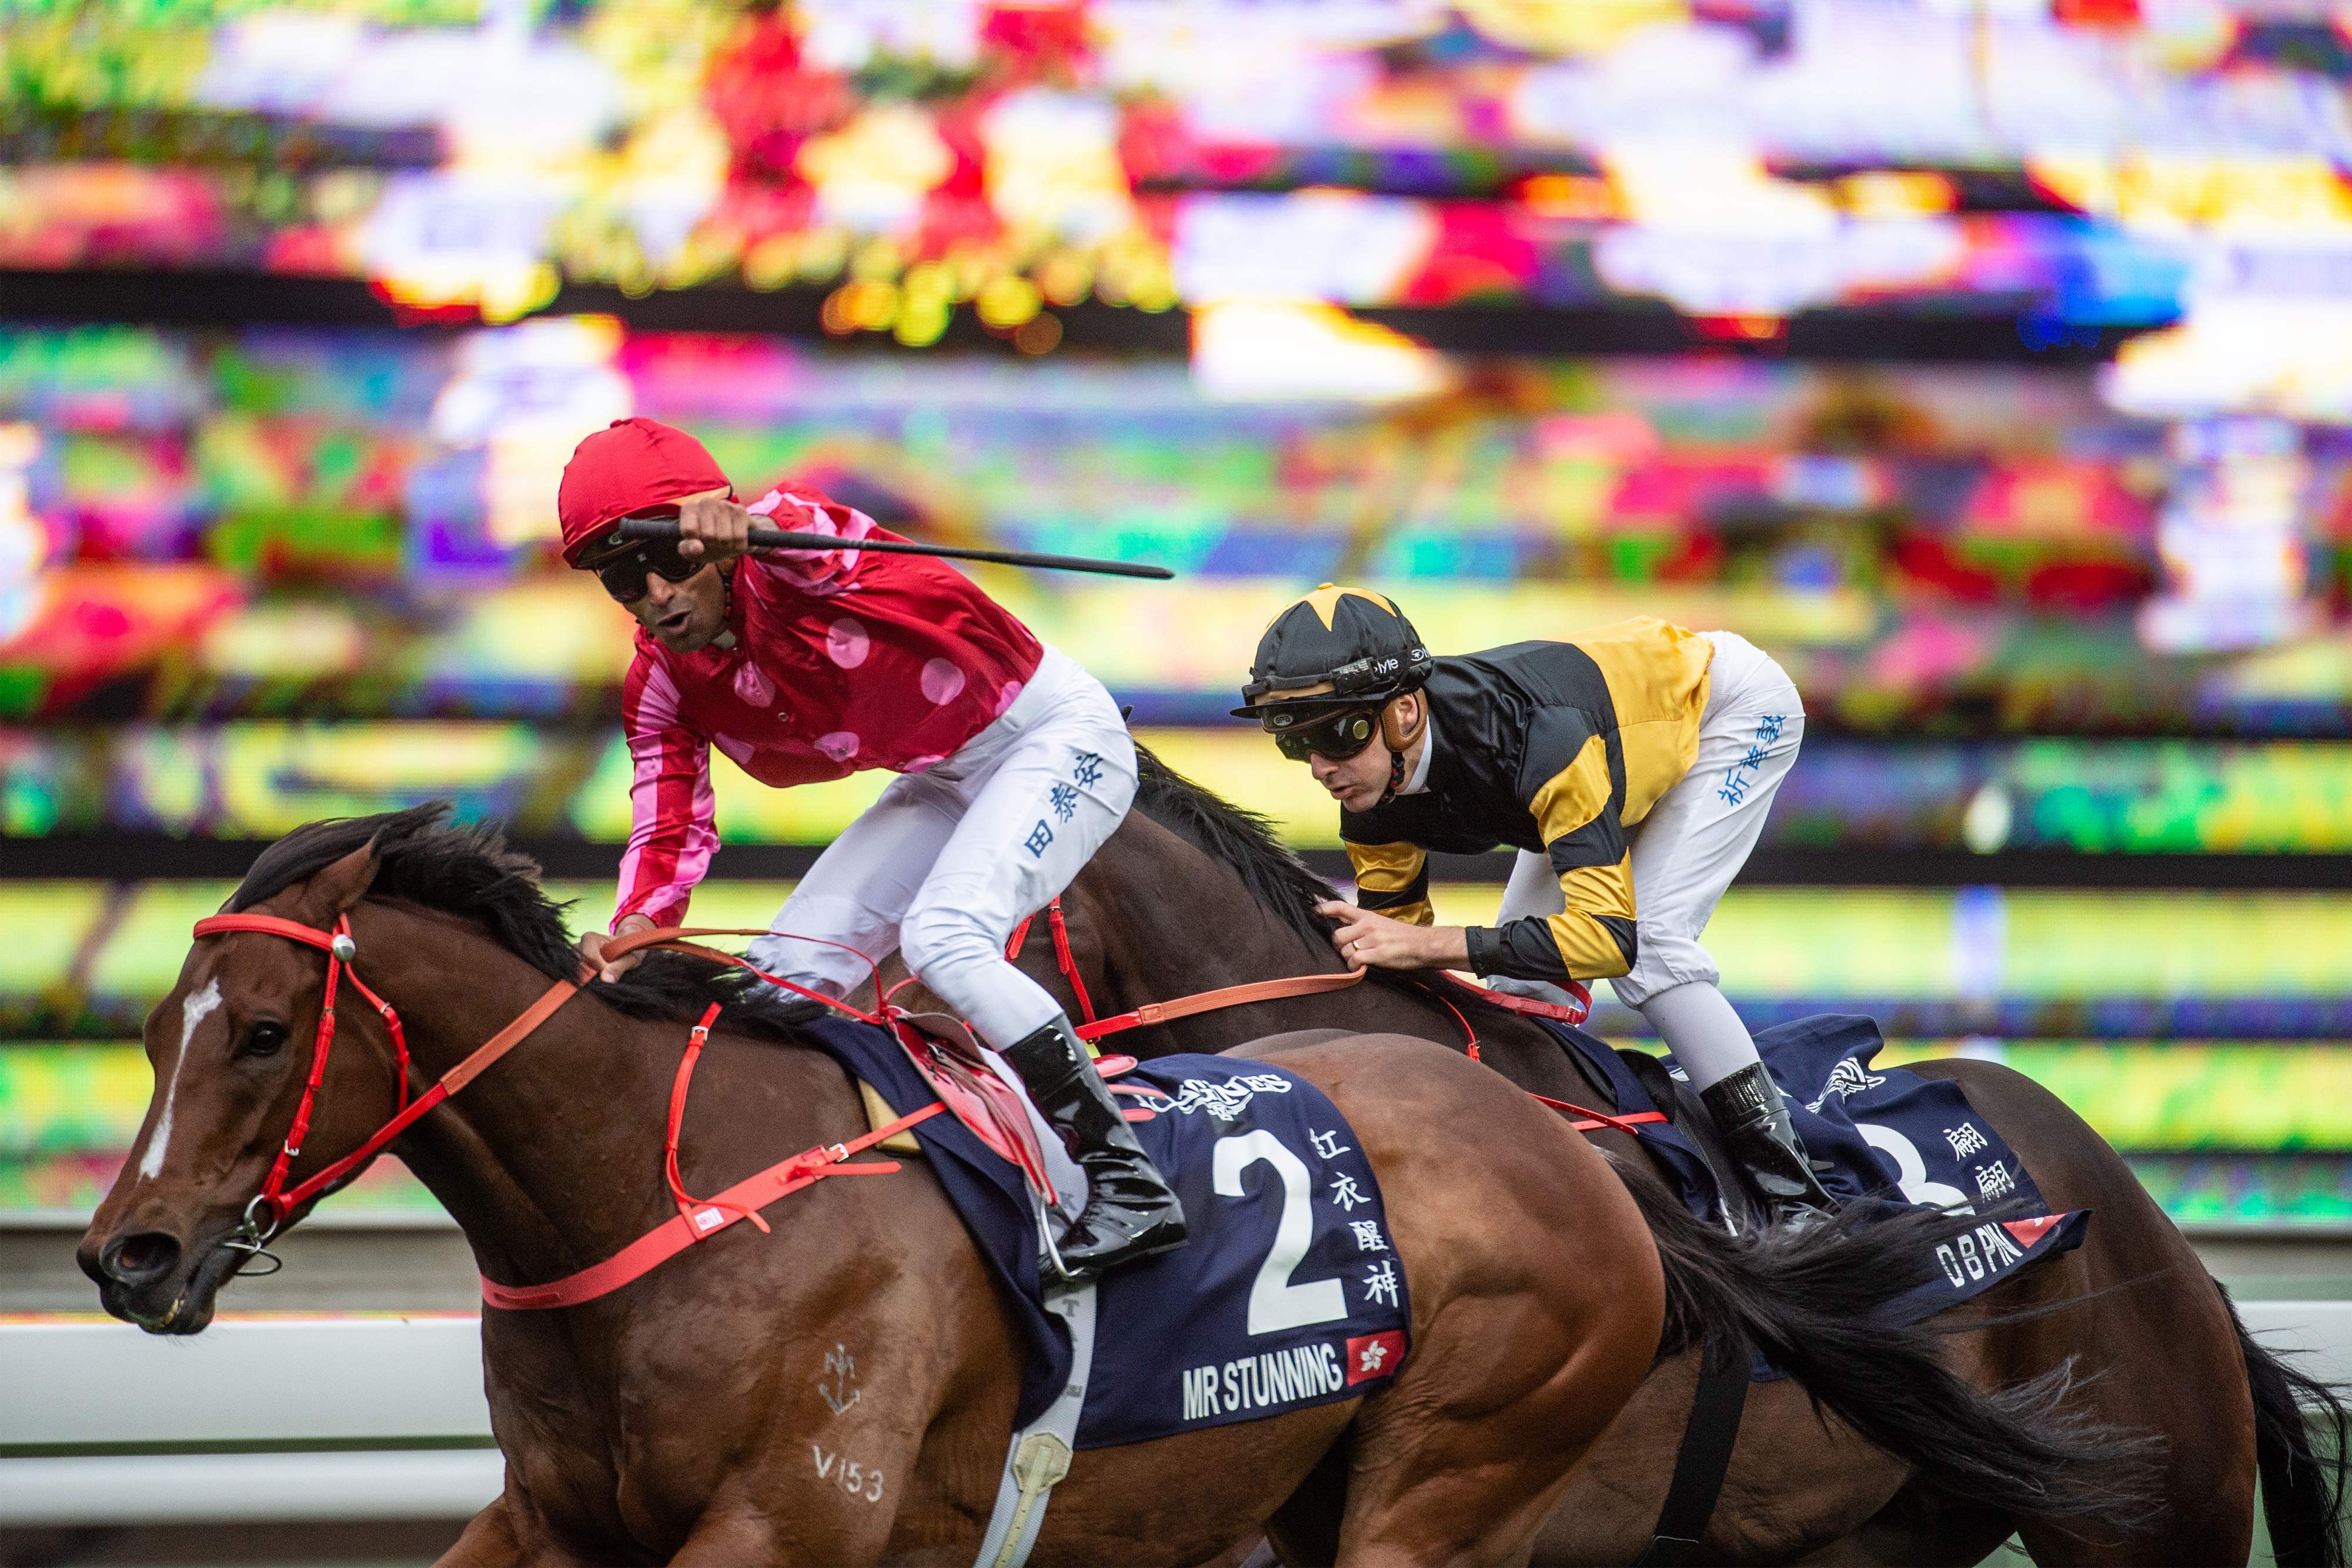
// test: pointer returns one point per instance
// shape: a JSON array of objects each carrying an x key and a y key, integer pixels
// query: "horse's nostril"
[{"x": 136, "y": 1258}]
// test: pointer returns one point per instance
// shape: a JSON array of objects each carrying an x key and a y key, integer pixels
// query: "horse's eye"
[{"x": 263, "y": 1039}]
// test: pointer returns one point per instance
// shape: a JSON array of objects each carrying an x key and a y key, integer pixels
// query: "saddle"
[
  {"x": 995, "y": 1109},
  {"x": 949, "y": 1060},
  {"x": 1687, "y": 1115},
  {"x": 941, "y": 1047}
]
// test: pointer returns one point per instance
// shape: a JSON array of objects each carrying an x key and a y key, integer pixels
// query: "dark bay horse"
[
  {"x": 2153, "y": 1343},
  {"x": 681, "y": 1418}
]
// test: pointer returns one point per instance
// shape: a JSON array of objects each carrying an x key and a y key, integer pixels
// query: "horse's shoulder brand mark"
[
  {"x": 840, "y": 1371},
  {"x": 859, "y": 1482}
]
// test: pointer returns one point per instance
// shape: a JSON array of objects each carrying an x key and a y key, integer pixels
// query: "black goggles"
[
  {"x": 624, "y": 575},
  {"x": 1335, "y": 739}
]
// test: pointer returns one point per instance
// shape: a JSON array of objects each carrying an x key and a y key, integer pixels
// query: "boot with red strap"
[{"x": 1131, "y": 1211}]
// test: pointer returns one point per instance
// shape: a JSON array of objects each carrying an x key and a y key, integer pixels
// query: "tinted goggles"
[
  {"x": 624, "y": 575},
  {"x": 1337, "y": 739}
]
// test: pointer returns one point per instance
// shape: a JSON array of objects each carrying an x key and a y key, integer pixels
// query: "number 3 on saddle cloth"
[
  {"x": 1883, "y": 1134},
  {"x": 1288, "y": 1293}
]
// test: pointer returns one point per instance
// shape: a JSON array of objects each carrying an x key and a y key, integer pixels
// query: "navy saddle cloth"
[
  {"x": 1288, "y": 1294},
  {"x": 1885, "y": 1134}
]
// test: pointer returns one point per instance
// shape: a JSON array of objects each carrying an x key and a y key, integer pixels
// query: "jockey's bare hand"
[
  {"x": 591, "y": 947},
  {"x": 712, "y": 528},
  {"x": 1367, "y": 938}
]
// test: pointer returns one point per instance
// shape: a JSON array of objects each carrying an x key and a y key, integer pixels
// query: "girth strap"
[{"x": 1705, "y": 1458}]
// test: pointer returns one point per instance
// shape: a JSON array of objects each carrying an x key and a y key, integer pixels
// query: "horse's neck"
[
  {"x": 1177, "y": 922},
  {"x": 1169, "y": 921},
  {"x": 1186, "y": 924},
  {"x": 551, "y": 1159}
]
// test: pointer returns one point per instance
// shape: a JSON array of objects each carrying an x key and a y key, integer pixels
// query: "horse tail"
[
  {"x": 1810, "y": 1302},
  {"x": 2302, "y": 1483}
]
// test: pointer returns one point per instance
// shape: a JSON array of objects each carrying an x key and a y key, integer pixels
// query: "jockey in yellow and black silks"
[{"x": 1632, "y": 767}]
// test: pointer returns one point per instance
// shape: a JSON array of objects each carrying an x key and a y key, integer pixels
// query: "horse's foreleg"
[
  {"x": 730, "y": 1540},
  {"x": 494, "y": 1539}
]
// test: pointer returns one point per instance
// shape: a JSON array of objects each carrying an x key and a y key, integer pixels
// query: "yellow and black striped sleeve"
[
  {"x": 1592, "y": 938},
  {"x": 1394, "y": 880}
]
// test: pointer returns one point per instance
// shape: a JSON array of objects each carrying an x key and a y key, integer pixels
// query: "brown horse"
[
  {"x": 682, "y": 1419},
  {"x": 2152, "y": 1341},
  {"x": 675, "y": 1420}
]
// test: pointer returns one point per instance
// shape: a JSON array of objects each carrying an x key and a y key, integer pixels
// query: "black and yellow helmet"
[{"x": 1337, "y": 648}]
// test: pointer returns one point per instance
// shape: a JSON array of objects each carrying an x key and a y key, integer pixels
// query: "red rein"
[
  {"x": 696, "y": 1219},
  {"x": 1312, "y": 985},
  {"x": 700, "y": 1218}
]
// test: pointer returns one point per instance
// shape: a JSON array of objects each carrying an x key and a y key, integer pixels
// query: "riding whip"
[{"x": 777, "y": 539}]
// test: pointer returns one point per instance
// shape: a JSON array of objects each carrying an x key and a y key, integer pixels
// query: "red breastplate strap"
[
  {"x": 1093, "y": 1028},
  {"x": 713, "y": 1215},
  {"x": 1224, "y": 997}
]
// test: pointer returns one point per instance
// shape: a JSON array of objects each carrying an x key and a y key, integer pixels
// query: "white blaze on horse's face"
[{"x": 193, "y": 1010}]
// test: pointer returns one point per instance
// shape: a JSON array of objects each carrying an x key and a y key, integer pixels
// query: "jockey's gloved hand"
[{"x": 1536, "y": 991}]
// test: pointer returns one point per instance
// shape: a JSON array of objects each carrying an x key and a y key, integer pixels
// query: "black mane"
[
  {"x": 1240, "y": 840},
  {"x": 470, "y": 872},
  {"x": 1244, "y": 843}
]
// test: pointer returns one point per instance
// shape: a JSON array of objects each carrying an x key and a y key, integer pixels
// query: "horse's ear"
[{"x": 339, "y": 886}]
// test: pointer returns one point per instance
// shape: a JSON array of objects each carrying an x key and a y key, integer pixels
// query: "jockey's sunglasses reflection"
[
  {"x": 624, "y": 572},
  {"x": 1335, "y": 739}
]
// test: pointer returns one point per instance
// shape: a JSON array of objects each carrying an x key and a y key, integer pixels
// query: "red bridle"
[
  {"x": 276, "y": 1201},
  {"x": 699, "y": 1218}
]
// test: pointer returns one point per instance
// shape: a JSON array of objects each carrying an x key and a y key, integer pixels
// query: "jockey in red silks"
[{"x": 1014, "y": 767}]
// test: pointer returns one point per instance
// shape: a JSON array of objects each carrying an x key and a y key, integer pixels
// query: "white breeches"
[
  {"x": 1701, "y": 832},
  {"x": 948, "y": 861}
]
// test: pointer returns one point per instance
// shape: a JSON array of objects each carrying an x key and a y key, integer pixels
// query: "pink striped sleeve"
[
  {"x": 807, "y": 512},
  {"x": 671, "y": 840}
]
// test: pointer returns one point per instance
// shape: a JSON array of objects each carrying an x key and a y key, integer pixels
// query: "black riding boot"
[
  {"x": 1749, "y": 1115},
  {"x": 1131, "y": 1211}
]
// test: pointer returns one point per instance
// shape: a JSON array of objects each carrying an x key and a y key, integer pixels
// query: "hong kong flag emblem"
[
  {"x": 1374, "y": 1355},
  {"x": 2028, "y": 1232}
]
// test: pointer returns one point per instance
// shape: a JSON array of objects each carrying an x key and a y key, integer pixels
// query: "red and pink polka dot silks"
[{"x": 842, "y": 661}]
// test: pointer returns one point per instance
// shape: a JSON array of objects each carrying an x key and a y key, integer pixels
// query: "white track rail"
[
  {"x": 363, "y": 1417},
  {"x": 295, "y": 1417}
]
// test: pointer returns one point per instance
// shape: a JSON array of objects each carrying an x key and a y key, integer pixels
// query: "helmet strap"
[{"x": 1394, "y": 736}]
